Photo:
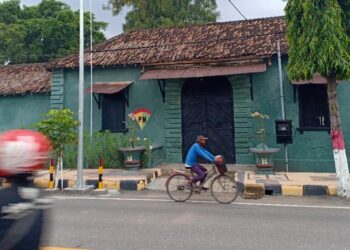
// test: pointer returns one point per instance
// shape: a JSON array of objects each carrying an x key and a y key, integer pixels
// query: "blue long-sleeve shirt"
[{"x": 195, "y": 151}]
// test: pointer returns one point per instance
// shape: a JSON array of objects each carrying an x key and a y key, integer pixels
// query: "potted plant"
[
  {"x": 136, "y": 147},
  {"x": 262, "y": 152}
]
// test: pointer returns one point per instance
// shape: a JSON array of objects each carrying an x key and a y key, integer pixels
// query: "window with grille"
[
  {"x": 113, "y": 112},
  {"x": 313, "y": 107}
]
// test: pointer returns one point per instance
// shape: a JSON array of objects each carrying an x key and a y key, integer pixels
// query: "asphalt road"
[{"x": 152, "y": 221}]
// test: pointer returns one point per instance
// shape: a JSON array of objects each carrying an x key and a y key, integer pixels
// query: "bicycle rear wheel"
[
  {"x": 177, "y": 189},
  {"x": 224, "y": 189}
]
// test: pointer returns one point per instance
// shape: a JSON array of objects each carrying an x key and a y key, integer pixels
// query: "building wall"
[
  {"x": 173, "y": 133},
  {"x": 142, "y": 94},
  {"x": 22, "y": 111},
  {"x": 311, "y": 151},
  {"x": 242, "y": 107}
]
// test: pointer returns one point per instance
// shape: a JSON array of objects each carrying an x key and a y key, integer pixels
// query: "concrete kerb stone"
[
  {"x": 314, "y": 190},
  {"x": 74, "y": 190},
  {"x": 253, "y": 189},
  {"x": 117, "y": 183},
  {"x": 100, "y": 191},
  {"x": 112, "y": 184},
  {"x": 331, "y": 190},
  {"x": 292, "y": 190}
]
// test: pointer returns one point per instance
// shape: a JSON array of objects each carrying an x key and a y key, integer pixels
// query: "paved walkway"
[
  {"x": 249, "y": 183},
  {"x": 289, "y": 184},
  {"x": 115, "y": 179},
  {"x": 253, "y": 185}
]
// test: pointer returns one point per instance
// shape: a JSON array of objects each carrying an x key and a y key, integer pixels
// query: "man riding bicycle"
[{"x": 191, "y": 162}]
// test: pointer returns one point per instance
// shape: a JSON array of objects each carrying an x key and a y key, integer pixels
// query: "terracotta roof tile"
[
  {"x": 255, "y": 38},
  {"x": 24, "y": 78}
]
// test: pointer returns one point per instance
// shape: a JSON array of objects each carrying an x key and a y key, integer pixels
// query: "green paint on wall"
[
  {"x": 22, "y": 111},
  {"x": 173, "y": 133},
  {"x": 242, "y": 104},
  {"x": 57, "y": 90},
  {"x": 311, "y": 151},
  {"x": 142, "y": 94}
]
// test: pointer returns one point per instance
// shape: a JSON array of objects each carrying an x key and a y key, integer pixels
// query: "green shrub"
[{"x": 103, "y": 144}]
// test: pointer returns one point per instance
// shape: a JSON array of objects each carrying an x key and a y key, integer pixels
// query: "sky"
[{"x": 249, "y": 8}]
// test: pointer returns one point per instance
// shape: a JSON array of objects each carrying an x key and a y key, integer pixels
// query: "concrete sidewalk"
[
  {"x": 120, "y": 179},
  {"x": 288, "y": 184},
  {"x": 113, "y": 179},
  {"x": 250, "y": 184},
  {"x": 253, "y": 185}
]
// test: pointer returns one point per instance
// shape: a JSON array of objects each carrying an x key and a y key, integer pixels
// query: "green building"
[
  {"x": 24, "y": 94},
  {"x": 202, "y": 79}
]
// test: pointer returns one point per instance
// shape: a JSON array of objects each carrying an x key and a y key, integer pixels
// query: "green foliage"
[
  {"x": 146, "y": 156},
  {"x": 318, "y": 35},
  {"x": 9, "y": 11},
  {"x": 60, "y": 127},
  {"x": 103, "y": 144},
  {"x": 70, "y": 157},
  {"x": 43, "y": 32},
  {"x": 134, "y": 138},
  {"x": 345, "y": 6},
  {"x": 165, "y": 13},
  {"x": 132, "y": 131}
]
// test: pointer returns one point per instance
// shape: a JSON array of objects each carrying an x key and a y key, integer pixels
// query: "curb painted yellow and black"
[
  {"x": 117, "y": 185},
  {"x": 285, "y": 190}
]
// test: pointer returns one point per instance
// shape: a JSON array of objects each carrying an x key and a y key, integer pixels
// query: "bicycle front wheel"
[
  {"x": 224, "y": 189},
  {"x": 177, "y": 189}
]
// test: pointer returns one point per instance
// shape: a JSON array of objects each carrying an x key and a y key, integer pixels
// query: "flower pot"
[
  {"x": 264, "y": 158},
  {"x": 132, "y": 157}
]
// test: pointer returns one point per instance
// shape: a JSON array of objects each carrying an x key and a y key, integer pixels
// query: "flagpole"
[
  {"x": 79, "y": 182},
  {"x": 91, "y": 80}
]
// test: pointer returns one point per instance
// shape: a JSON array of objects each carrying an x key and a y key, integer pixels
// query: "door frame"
[{"x": 224, "y": 81}]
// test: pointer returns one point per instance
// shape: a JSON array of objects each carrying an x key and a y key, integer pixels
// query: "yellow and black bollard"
[
  {"x": 51, "y": 172},
  {"x": 100, "y": 173}
]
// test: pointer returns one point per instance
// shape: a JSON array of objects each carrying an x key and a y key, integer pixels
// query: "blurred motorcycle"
[{"x": 22, "y": 209}]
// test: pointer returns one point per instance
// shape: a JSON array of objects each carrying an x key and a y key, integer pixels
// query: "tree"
[
  {"x": 165, "y": 13},
  {"x": 61, "y": 128},
  {"x": 318, "y": 33},
  {"x": 43, "y": 32}
]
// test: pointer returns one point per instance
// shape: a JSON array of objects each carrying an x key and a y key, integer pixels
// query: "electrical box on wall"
[{"x": 284, "y": 132}]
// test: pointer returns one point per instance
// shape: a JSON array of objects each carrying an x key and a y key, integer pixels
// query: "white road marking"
[{"x": 196, "y": 201}]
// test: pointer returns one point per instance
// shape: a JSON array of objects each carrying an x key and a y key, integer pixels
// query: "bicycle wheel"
[
  {"x": 224, "y": 189},
  {"x": 177, "y": 189}
]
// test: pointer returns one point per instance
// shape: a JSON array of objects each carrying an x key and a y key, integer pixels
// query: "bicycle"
[{"x": 223, "y": 187}]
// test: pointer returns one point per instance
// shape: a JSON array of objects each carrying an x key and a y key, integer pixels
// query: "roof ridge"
[{"x": 199, "y": 24}]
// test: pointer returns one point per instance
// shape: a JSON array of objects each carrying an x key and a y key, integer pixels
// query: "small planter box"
[
  {"x": 264, "y": 158},
  {"x": 132, "y": 157}
]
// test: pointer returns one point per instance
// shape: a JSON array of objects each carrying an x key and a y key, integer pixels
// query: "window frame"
[
  {"x": 325, "y": 108},
  {"x": 122, "y": 128}
]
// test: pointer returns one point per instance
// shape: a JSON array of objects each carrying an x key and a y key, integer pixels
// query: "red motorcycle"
[{"x": 22, "y": 209}]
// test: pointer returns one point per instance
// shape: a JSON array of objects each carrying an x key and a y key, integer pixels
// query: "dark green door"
[{"x": 207, "y": 108}]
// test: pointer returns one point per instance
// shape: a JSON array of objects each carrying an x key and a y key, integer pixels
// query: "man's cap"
[{"x": 201, "y": 137}]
